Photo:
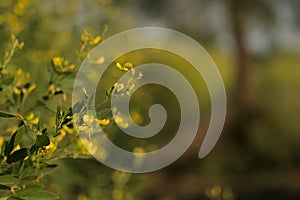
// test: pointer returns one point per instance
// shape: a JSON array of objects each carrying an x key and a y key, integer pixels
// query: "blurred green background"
[{"x": 256, "y": 46}]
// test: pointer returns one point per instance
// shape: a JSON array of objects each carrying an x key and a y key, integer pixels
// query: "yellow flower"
[
  {"x": 51, "y": 147},
  {"x": 20, "y": 7},
  {"x": 119, "y": 86},
  {"x": 68, "y": 68},
  {"x": 61, "y": 136},
  {"x": 138, "y": 152},
  {"x": 21, "y": 45},
  {"x": 51, "y": 89},
  {"x": 137, "y": 118},
  {"x": 121, "y": 121},
  {"x": 126, "y": 67},
  {"x": 139, "y": 155},
  {"x": 82, "y": 197},
  {"x": 31, "y": 87},
  {"x": 19, "y": 72},
  {"x": 32, "y": 118},
  {"x": 13, "y": 20},
  {"x": 213, "y": 192},
  {"x": 35, "y": 121},
  {"x": 16, "y": 90},
  {"x": 16, "y": 148},
  {"x": 100, "y": 60},
  {"x": 71, "y": 67},
  {"x": 90, "y": 146},
  {"x": 1, "y": 141},
  {"x": 67, "y": 129},
  {"x": 117, "y": 194},
  {"x": 57, "y": 60},
  {"x": 4, "y": 71},
  {"x": 96, "y": 40},
  {"x": 119, "y": 66},
  {"x": 101, "y": 153},
  {"x": 103, "y": 121},
  {"x": 88, "y": 119},
  {"x": 120, "y": 178}
]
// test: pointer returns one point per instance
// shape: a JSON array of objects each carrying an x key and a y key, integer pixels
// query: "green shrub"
[{"x": 29, "y": 145}]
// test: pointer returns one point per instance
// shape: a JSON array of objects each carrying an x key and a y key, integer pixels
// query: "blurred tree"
[{"x": 242, "y": 103}]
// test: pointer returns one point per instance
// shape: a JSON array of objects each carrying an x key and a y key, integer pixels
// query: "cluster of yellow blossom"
[
  {"x": 61, "y": 65},
  {"x": 22, "y": 86}
]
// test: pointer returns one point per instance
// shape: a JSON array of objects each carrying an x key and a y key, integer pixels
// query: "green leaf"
[
  {"x": 66, "y": 120},
  {"x": 17, "y": 155},
  {"x": 4, "y": 187},
  {"x": 70, "y": 113},
  {"x": 5, "y": 94},
  {"x": 9, "y": 145},
  {"x": 57, "y": 116},
  {"x": 6, "y": 115},
  {"x": 78, "y": 107},
  {"x": 35, "y": 186},
  {"x": 109, "y": 91},
  {"x": 41, "y": 141},
  {"x": 44, "y": 131},
  {"x": 8, "y": 81},
  {"x": 14, "y": 198},
  {"x": 48, "y": 168},
  {"x": 31, "y": 173},
  {"x": 44, "y": 170},
  {"x": 8, "y": 180},
  {"x": 19, "y": 135},
  {"x": 64, "y": 151},
  {"x": 33, "y": 194},
  {"x": 14, "y": 141}
]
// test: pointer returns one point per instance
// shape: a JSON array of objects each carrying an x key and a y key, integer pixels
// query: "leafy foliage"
[
  {"x": 26, "y": 156},
  {"x": 29, "y": 145}
]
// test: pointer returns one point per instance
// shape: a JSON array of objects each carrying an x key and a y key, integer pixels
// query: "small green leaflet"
[{"x": 6, "y": 115}]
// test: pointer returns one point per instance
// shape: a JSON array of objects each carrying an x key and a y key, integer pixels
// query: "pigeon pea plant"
[{"x": 28, "y": 146}]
